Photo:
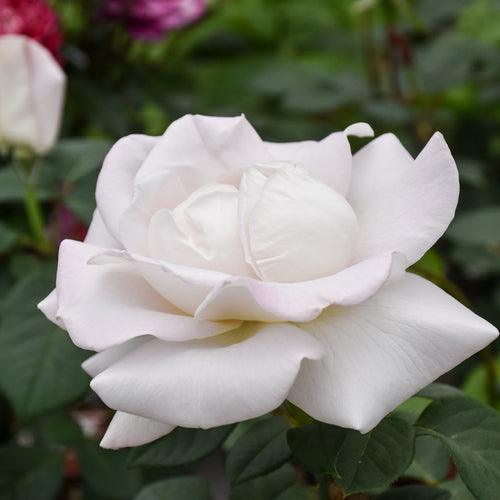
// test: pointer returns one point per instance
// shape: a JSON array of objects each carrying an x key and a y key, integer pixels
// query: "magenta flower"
[
  {"x": 151, "y": 19},
  {"x": 34, "y": 19}
]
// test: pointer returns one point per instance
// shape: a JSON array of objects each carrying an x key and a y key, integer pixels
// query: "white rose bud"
[{"x": 32, "y": 88}]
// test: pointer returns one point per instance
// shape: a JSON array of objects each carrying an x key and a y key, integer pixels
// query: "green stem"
[{"x": 35, "y": 217}]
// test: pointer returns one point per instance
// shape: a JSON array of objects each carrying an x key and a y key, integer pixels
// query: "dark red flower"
[
  {"x": 32, "y": 18},
  {"x": 151, "y": 19}
]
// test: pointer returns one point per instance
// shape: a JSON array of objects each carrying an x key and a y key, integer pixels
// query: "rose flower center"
[{"x": 281, "y": 225}]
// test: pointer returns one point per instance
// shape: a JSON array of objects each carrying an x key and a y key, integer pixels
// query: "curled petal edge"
[{"x": 243, "y": 298}]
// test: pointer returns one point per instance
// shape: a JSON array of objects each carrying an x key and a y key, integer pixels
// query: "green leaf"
[
  {"x": 478, "y": 227},
  {"x": 30, "y": 473},
  {"x": 182, "y": 446},
  {"x": 262, "y": 449},
  {"x": 297, "y": 493},
  {"x": 81, "y": 198},
  {"x": 457, "y": 489},
  {"x": 76, "y": 158},
  {"x": 412, "y": 408},
  {"x": 438, "y": 390},
  {"x": 179, "y": 488},
  {"x": 39, "y": 365},
  {"x": 358, "y": 462},
  {"x": 431, "y": 461},
  {"x": 268, "y": 487},
  {"x": 58, "y": 429},
  {"x": 414, "y": 492},
  {"x": 12, "y": 190},
  {"x": 476, "y": 383},
  {"x": 449, "y": 60},
  {"x": 470, "y": 431},
  {"x": 106, "y": 471},
  {"x": 8, "y": 238},
  {"x": 432, "y": 263}
]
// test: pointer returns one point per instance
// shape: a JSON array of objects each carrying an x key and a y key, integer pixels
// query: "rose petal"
[
  {"x": 99, "y": 235},
  {"x": 183, "y": 286},
  {"x": 205, "y": 147},
  {"x": 214, "y": 295},
  {"x": 32, "y": 94},
  {"x": 161, "y": 190},
  {"x": 96, "y": 235},
  {"x": 104, "y": 359},
  {"x": 48, "y": 84},
  {"x": 115, "y": 185},
  {"x": 360, "y": 129},
  {"x": 131, "y": 430},
  {"x": 328, "y": 160},
  {"x": 299, "y": 229},
  {"x": 383, "y": 351},
  {"x": 249, "y": 299},
  {"x": 211, "y": 382},
  {"x": 113, "y": 304},
  {"x": 402, "y": 204},
  {"x": 49, "y": 306},
  {"x": 201, "y": 232}
]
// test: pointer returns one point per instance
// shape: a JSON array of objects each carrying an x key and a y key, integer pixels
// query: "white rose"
[
  {"x": 32, "y": 87},
  {"x": 223, "y": 274}
]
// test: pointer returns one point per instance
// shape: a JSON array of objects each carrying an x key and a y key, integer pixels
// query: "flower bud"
[{"x": 32, "y": 88}]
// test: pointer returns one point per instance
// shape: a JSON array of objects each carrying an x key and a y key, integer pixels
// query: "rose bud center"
[{"x": 281, "y": 225}]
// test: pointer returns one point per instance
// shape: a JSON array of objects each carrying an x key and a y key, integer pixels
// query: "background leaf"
[
  {"x": 470, "y": 431},
  {"x": 358, "y": 462},
  {"x": 107, "y": 473},
  {"x": 30, "y": 473},
  {"x": 39, "y": 365},
  {"x": 262, "y": 449},
  {"x": 414, "y": 492},
  {"x": 179, "y": 488},
  {"x": 182, "y": 446},
  {"x": 267, "y": 487}
]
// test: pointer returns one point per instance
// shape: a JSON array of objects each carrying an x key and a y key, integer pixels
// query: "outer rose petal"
[
  {"x": 328, "y": 160},
  {"x": 383, "y": 351},
  {"x": 185, "y": 287},
  {"x": 248, "y": 299},
  {"x": 99, "y": 235},
  {"x": 96, "y": 235},
  {"x": 402, "y": 204},
  {"x": 205, "y": 147},
  {"x": 115, "y": 185},
  {"x": 130, "y": 430},
  {"x": 49, "y": 306},
  {"x": 216, "y": 296},
  {"x": 104, "y": 359},
  {"x": 113, "y": 304},
  {"x": 206, "y": 383}
]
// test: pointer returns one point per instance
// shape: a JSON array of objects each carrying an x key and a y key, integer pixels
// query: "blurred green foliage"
[{"x": 298, "y": 70}]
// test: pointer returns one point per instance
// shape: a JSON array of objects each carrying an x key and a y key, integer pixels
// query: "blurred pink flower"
[
  {"x": 151, "y": 19},
  {"x": 68, "y": 226},
  {"x": 33, "y": 18}
]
